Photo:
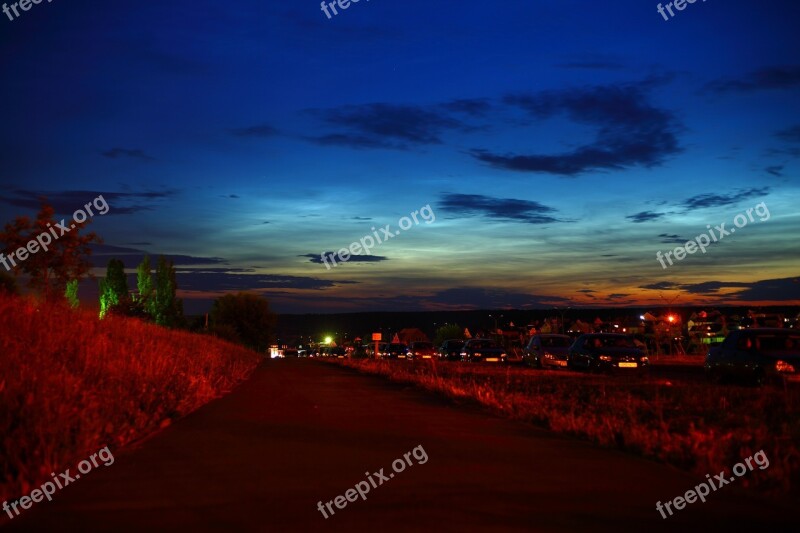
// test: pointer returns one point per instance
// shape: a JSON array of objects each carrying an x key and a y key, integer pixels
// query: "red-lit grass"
[
  {"x": 71, "y": 384},
  {"x": 692, "y": 425}
]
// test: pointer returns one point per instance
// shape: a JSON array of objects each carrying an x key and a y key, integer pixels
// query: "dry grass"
[
  {"x": 71, "y": 384},
  {"x": 694, "y": 426}
]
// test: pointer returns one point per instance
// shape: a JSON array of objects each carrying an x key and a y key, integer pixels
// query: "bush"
[{"x": 71, "y": 384}]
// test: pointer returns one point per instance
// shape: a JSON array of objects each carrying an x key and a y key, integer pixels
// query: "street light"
[{"x": 495, "y": 322}]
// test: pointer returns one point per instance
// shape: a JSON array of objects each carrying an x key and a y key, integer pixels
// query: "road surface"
[{"x": 300, "y": 431}]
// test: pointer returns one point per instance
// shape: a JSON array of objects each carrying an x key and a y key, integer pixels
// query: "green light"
[{"x": 328, "y": 340}]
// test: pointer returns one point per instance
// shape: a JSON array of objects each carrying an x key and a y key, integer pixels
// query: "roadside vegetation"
[
  {"x": 71, "y": 383},
  {"x": 697, "y": 427}
]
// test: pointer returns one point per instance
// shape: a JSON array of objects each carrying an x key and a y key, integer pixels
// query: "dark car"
[
  {"x": 604, "y": 352},
  {"x": 421, "y": 350},
  {"x": 394, "y": 350},
  {"x": 545, "y": 350},
  {"x": 334, "y": 351},
  {"x": 477, "y": 350},
  {"x": 451, "y": 349},
  {"x": 757, "y": 356}
]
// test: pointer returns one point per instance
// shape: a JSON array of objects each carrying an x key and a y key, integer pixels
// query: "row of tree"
[
  {"x": 158, "y": 302},
  {"x": 54, "y": 272}
]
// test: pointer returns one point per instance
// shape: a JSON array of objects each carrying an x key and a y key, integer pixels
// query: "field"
[
  {"x": 682, "y": 421},
  {"x": 71, "y": 384}
]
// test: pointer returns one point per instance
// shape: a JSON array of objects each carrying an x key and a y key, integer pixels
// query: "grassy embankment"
[
  {"x": 692, "y": 425},
  {"x": 71, "y": 384}
]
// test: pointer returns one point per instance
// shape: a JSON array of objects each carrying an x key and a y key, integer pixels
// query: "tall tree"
[
  {"x": 245, "y": 318},
  {"x": 51, "y": 252},
  {"x": 8, "y": 284},
  {"x": 71, "y": 294},
  {"x": 168, "y": 308},
  {"x": 114, "y": 288},
  {"x": 448, "y": 331},
  {"x": 144, "y": 285}
]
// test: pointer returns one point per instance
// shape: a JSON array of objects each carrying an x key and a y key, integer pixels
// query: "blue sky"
[{"x": 559, "y": 144}]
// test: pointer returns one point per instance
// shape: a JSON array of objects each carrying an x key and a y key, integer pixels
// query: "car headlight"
[
  {"x": 605, "y": 358},
  {"x": 783, "y": 366},
  {"x": 463, "y": 354}
]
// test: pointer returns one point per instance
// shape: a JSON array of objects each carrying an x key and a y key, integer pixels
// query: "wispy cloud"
[
  {"x": 719, "y": 200},
  {"x": 257, "y": 131},
  {"x": 631, "y": 131},
  {"x": 769, "y": 78},
  {"x": 644, "y": 216},
  {"x": 497, "y": 208},
  {"x": 134, "y": 153}
]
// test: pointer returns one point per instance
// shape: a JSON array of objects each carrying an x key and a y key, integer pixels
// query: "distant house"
[{"x": 409, "y": 335}]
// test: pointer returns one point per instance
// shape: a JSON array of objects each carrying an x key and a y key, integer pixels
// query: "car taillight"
[
  {"x": 605, "y": 358},
  {"x": 783, "y": 366}
]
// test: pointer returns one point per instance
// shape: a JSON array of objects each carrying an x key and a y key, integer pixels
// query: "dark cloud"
[
  {"x": 203, "y": 280},
  {"x": 317, "y": 258},
  {"x": 497, "y": 208},
  {"x": 258, "y": 131},
  {"x": 361, "y": 218},
  {"x": 671, "y": 239},
  {"x": 480, "y": 298},
  {"x": 617, "y": 295},
  {"x": 769, "y": 78},
  {"x": 782, "y": 290},
  {"x": 474, "y": 106},
  {"x": 131, "y": 257},
  {"x": 382, "y": 125},
  {"x": 644, "y": 216},
  {"x": 719, "y": 200},
  {"x": 711, "y": 287},
  {"x": 631, "y": 131},
  {"x": 592, "y": 65},
  {"x": 135, "y": 153},
  {"x": 231, "y": 196},
  {"x": 67, "y": 202},
  {"x": 661, "y": 286},
  {"x": 775, "y": 170},
  {"x": 354, "y": 141},
  {"x": 790, "y": 134}
]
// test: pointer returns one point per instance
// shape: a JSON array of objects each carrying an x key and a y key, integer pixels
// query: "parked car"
[
  {"x": 476, "y": 350},
  {"x": 547, "y": 350},
  {"x": 421, "y": 350},
  {"x": 451, "y": 349},
  {"x": 757, "y": 355},
  {"x": 334, "y": 351},
  {"x": 604, "y": 352},
  {"x": 394, "y": 350}
]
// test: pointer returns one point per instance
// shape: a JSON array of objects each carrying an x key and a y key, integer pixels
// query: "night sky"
[{"x": 560, "y": 146}]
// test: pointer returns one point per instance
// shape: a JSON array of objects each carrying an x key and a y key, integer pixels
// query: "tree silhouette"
[
  {"x": 113, "y": 288},
  {"x": 168, "y": 309},
  {"x": 245, "y": 318},
  {"x": 51, "y": 252}
]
